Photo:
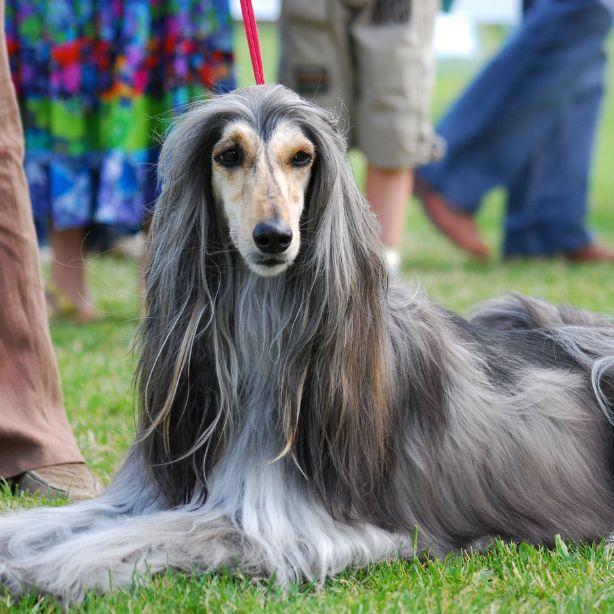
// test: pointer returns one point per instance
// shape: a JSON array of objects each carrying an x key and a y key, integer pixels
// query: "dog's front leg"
[
  {"x": 25, "y": 533},
  {"x": 129, "y": 548}
]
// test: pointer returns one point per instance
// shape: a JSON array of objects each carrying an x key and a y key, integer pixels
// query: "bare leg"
[
  {"x": 69, "y": 270},
  {"x": 388, "y": 191}
]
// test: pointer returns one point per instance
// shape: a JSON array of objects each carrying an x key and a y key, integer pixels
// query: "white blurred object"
[
  {"x": 455, "y": 32},
  {"x": 482, "y": 11},
  {"x": 46, "y": 255},
  {"x": 455, "y": 36},
  {"x": 265, "y": 10},
  {"x": 504, "y": 12},
  {"x": 130, "y": 246}
]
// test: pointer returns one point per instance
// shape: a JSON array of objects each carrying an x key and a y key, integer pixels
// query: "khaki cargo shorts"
[{"x": 374, "y": 74}]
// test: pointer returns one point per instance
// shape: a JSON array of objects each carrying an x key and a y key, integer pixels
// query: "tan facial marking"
[{"x": 259, "y": 181}]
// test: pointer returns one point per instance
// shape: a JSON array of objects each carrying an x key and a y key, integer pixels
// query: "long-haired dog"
[{"x": 301, "y": 413}]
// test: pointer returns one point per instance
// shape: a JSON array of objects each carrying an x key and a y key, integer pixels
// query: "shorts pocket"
[{"x": 315, "y": 11}]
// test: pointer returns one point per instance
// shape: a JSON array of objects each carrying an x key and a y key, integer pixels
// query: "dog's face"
[{"x": 261, "y": 184}]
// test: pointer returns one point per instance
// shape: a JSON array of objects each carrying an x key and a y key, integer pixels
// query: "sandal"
[{"x": 61, "y": 307}]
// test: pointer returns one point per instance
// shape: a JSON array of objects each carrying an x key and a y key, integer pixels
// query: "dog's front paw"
[
  {"x": 20, "y": 577},
  {"x": 5, "y": 537},
  {"x": 10, "y": 579}
]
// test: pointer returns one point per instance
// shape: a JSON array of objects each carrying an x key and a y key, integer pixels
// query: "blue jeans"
[{"x": 528, "y": 123}]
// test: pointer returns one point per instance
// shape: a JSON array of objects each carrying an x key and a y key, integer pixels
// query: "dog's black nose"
[{"x": 272, "y": 237}]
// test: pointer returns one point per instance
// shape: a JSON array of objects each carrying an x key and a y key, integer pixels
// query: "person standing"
[
  {"x": 38, "y": 452},
  {"x": 528, "y": 123}
]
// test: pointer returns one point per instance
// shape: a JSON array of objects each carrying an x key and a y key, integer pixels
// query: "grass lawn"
[{"x": 97, "y": 366}]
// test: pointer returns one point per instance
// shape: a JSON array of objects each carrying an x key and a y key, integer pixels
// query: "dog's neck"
[
  {"x": 258, "y": 321},
  {"x": 248, "y": 337}
]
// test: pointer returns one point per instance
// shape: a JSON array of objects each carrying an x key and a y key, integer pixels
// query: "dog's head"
[
  {"x": 259, "y": 180},
  {"x": 261, "y": 163}
]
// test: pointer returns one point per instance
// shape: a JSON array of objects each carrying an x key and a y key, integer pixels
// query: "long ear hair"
[
  {"x": 334, "y": 388},
  {"x": 183, "y": 403}
]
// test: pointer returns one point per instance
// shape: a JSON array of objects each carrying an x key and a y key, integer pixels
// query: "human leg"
[
  {"x": 388, "y": 190},
  {"x": 454, "y": 223},
  {"x": 548, "y": 200},
  {"x": 511, "y": 106},
  {"x": 394, "y": 75},
  {"x": 34, "y": 431},
  {"x": 69, "y": 273}
]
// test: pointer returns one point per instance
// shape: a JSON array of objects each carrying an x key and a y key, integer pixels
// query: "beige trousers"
[
  {"x": 377, "y": 78},
  {"x": 34, "y": 431}
]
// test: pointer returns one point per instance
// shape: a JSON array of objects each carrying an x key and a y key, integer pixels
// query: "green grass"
[
  {"x": 510, "y": 579},
  {"x": 97, "y": 366}
]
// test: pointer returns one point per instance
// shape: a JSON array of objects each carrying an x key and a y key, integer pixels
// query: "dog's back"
[{"x": 563, "y": 334}]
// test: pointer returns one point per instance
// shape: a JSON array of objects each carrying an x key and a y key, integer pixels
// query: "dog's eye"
[
  {"x": 301, "y": 158},
  {"x": 230, "y": 157}
]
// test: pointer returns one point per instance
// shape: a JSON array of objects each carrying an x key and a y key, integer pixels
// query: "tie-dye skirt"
[{"x": 98, "y": 82}]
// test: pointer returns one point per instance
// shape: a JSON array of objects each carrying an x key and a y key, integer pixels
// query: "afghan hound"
[{"x": 300, "y": 412}]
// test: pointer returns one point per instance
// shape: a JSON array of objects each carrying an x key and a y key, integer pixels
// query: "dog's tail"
[
  {"x": 516, "y": 312},
  {"x": 588, "y": 338}
]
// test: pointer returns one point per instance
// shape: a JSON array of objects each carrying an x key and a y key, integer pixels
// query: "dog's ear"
[
  {"x": 339, "y": 227},
  {"x": 187, "y": 256},
  {"x": 336, "y": 405}
]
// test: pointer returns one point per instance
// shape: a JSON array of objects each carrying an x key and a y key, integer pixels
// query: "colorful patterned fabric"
[{"x": 98, "y": 81}]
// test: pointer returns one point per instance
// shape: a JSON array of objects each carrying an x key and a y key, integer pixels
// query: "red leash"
[{"x": 253, "y": 42}]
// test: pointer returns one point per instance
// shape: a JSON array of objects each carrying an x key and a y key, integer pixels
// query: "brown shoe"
[
  {"x": 459, "y": 227},
  {"x": 71, "y": 480},
  {"x": 591, "y": 253}
]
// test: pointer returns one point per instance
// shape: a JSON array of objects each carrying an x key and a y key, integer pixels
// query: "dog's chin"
[{"x": 268, "y": 267}]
